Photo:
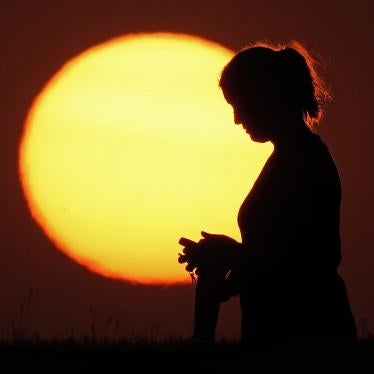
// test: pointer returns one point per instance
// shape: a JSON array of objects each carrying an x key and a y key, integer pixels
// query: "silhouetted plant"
[
  {"x": 103, "y": 328},
  {"x": 18, "y": 323},
  {"x": 155, "y": 329},
  {"x": 93, "y": 334}
]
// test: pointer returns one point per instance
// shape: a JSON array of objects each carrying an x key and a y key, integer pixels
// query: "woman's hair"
[{"x": 283, "y": 77}]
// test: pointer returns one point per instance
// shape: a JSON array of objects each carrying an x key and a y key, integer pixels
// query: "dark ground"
[{"x": 179, "y": 356}]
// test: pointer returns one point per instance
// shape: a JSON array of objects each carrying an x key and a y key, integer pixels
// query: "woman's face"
[{"x": 253, "y": 118}]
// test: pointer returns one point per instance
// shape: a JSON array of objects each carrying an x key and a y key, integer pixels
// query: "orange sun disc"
[{"x": 131, "y": 146}]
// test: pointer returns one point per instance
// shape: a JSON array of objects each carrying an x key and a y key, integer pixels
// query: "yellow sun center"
[{"x": 130, "y": 146}]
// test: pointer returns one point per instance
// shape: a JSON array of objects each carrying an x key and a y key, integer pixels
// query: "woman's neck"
[{"x": 290, "y": 134}]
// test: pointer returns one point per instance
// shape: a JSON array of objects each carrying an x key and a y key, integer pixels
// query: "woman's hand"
[
  {"x": 214, "y": 252},
  {"x": 190, "y": 254},
  {"x": 220, "y": 242},
  {"x": 221, "y": 249}
]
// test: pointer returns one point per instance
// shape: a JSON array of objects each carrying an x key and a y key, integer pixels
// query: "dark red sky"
[{"x": 37, "y": 37}]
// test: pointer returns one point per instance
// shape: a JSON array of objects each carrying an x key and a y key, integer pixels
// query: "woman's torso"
[{"x": 290, "y": 223}]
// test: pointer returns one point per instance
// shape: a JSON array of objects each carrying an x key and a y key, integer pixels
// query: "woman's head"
[{"x": 270, "y": 86}]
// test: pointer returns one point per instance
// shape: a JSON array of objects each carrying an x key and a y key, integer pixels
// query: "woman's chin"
[{"x": 257, "y": 138}]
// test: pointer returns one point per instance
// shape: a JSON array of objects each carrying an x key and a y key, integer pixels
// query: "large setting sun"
[{"x": 130, "y": 146}]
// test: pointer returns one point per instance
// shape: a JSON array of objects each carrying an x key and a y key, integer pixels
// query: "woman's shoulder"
[
  {"x": 320, "y": 166},
  {"x": 314, "y": 150},
  {"x": 310, "y": 159},
  {"x": 320, "y": 154}
]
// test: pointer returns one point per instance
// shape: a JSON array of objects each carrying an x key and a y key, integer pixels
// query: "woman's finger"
[
  {"x": 186, "y": 242},
  {"x": 182, "y": 259},
  {"x": 187, "y": 251},
  {"x": 190, "y": 267}
]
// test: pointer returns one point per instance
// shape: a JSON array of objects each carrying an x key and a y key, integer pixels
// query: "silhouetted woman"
[{"x": 285, "y": 269}]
